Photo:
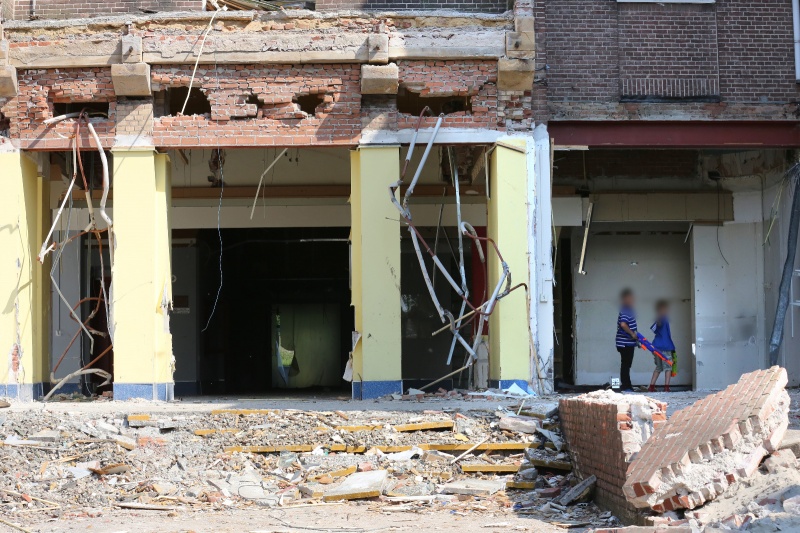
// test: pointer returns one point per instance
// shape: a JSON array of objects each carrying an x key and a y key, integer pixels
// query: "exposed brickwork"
[
  {"x": 39, "y": 90},
  {"x": 237, "y": 120},
  {"x": 602, "y": 54},
  {"x": 474, "y": 6},
  {"x": 63, "y": 9},
  {"x": 476, "y": 79},
  {"x": 134, "y": 117},
  {"x": 704, "y": 448},
  {"x": 604, "y": 431},
  {"x": 756, "y": 51},
  {"x": 667, "y": 50}
]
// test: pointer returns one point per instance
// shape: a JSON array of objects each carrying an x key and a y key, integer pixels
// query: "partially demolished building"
[{"x": 197, "y": 197}]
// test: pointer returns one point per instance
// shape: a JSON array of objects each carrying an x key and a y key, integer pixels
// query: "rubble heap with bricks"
[
  {"x": 605, "y": 431},
  {"x": 705, "y": 448}
]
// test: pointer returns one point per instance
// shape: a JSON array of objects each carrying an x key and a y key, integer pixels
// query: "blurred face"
[
  {"x": 663, "y": 310},
  {"x": 628, "y": 300}
]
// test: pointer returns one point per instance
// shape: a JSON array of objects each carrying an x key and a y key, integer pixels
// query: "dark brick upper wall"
[
  {"x": 473, "y": 6},
  {"x": 63, "y": 9},
  {"x": 603, "y": 51}
]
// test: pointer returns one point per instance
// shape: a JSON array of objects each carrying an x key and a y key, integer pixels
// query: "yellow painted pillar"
[
  {"x": 142, "y": 276},
  {"x": 509, "y": 333},
  {"x": 375, "y": 272},
  {"x": 24, "y": 293}
]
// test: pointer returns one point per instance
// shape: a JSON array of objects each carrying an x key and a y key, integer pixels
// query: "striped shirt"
[{"x": 627, "y": 316}]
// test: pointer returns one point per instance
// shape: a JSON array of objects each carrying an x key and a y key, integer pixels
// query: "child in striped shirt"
[{"x": 626, "y": 339}]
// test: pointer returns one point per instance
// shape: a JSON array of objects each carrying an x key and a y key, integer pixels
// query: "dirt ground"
[{"x": 92, "y": 510}]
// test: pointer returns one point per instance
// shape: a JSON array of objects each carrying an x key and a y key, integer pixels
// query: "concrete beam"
[
  {"x": 131, "y": 49},
  {"x": 267, "y": 47},
  {"x": 131, "y": 79},
  {"x": 379, "y": 79}
]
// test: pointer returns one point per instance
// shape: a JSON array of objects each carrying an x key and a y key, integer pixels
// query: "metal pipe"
[
  {"x": 585, "y": 239},
  {"x": 784, "y": 295},
  {"x": 453, "y": 373},
  {"x": 425, "y": 154}
]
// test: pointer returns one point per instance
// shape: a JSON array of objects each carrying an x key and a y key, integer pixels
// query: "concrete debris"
[
  {"x": 521, "y": 424},
  {"x": 579, "y": 493},
  {"x": 359, "y": 486},
  {"x": 474, "y": 487}
]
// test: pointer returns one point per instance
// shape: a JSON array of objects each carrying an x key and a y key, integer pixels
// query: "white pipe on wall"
[{"x": 796, "y": 25}]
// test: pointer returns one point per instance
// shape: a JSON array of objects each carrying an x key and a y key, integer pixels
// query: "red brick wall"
[
  {"x": 477, "y": 79},
  {"x": 476, "y": 6},
  {"x": 756, "y": 51},
  {"x": 276, "y": 120},
  {"x": 740, "y": 50},
  {"x": 667, "y": 50},
  {"x": 40, "y": 89},
  {"x": 595, "y": 432},
  {"x": 63, "y": 9}
]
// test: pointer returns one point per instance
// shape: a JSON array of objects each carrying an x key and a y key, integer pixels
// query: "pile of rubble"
[{"x": 79, "y": 464}]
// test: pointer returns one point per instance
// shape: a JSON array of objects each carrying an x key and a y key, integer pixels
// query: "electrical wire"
[
  {"x": 219, "y": 234},
  {"x": 199, "y": 54}
]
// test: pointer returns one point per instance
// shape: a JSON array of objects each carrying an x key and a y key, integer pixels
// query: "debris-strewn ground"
[
  {"x": 279, "y": 466},
  {"x": 81, "y": 466}
]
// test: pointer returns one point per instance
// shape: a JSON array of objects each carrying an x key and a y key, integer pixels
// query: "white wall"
[
  {"x": 655, "y": 266},
  {"x": 728, "y": 296}
]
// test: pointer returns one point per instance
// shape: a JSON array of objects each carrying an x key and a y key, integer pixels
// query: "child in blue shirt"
[{"x": 663, "y": 343}]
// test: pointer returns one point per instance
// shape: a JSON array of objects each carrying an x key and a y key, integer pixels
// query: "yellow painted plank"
[
  {"x": 505, "y": 469},
  {"x": 521, "y": 485},
  {"x": 336, "y": 474},
  {"x": 244, "y": 412},
  {"x": 493, "y": 446},
  {"x": 139, "y": 418},
  {"x": 423, "y": 426}
]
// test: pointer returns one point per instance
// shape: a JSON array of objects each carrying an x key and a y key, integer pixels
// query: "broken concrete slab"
[
  {"x": 520, "y": 424},
  {"x": 791, "y": 441},
  {"x": 474, "y": 487},
  {"x": 359, "y": 486},
  {"x": 47, "y": 435},
  {"x": 581, "y": 492},
  {"x": 780, "y": 459},
  {"x": 701, "y": 450},
  {"x": 515, "y": 74}
]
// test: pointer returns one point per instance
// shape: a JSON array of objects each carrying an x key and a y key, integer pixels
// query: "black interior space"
[{"x": 282, "y": 320}]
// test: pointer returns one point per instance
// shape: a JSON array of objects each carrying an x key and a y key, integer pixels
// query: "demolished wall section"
[
  {"x": 58, "y": 9},
  {"x": 706, "y": 447},
  {"x": 605, "y": 431}
]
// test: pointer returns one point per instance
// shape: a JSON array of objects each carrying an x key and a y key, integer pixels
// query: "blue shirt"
[
  {"x": 627, "y": 315},
  {"x": 663, "y": 341}
]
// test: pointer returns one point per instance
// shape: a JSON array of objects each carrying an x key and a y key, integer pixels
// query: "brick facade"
[
  {"x": 621, "y": 423},
  {"x": 63, "y": 9},
  {"x": 609, "y": 60},
  {"x": 474, "y": 6}
]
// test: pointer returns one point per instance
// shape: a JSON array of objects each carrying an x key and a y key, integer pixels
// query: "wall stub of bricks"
[
  {"x": 705, "y": 448},
  {"x": 605, "y": 431}
]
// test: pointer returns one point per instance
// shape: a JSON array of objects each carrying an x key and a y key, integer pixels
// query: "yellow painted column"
[
  {"x": 375, "y": 272},
  {"x": 142, "y": 276},
  {"x": 23, "y": 291},
  {"x": 509, "y": 333}
]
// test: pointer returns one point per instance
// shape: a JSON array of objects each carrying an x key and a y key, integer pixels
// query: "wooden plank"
[
  {"x": 424, "y": 426},
  {"x": 206, "y": 432},
  {"x": 244, "y": 412},
  {"x": 353, "y": 429},
  {"x": 545, "y": 463},
  {"x": 139, "y": 418},
  {"x": 521, "y": 485},
  {"x": 500, "y": 469},
  {"x": 492, "y": 446},
  {"x": 336, "y": 473}
]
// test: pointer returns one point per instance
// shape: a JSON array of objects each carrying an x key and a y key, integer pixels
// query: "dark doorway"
[
  {"x": 564, "y": 316},
  {"x": 282, "y": 319}
]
